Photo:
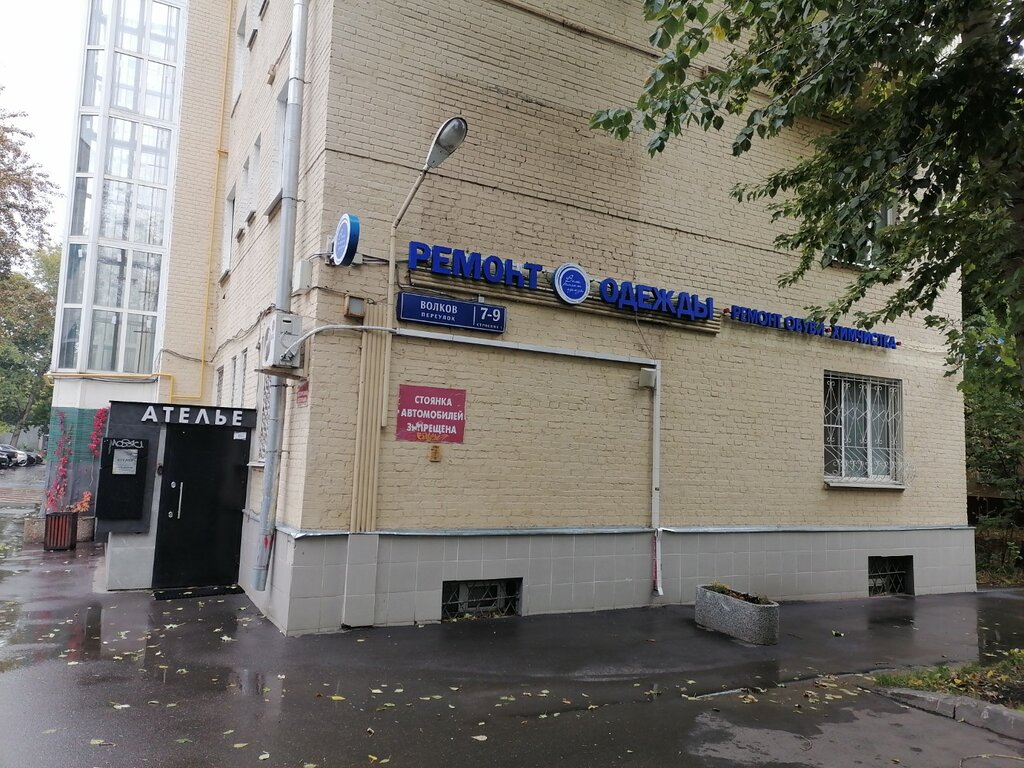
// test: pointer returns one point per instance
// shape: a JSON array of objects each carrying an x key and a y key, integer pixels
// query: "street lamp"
[{"x": 449, "y": 137}]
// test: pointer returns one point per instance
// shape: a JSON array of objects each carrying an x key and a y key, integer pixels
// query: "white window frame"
[
  {"x": 229, "y": 232},
  {"x": 241, "y": 51}
]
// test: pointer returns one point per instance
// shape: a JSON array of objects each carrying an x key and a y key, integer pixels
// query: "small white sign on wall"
[{"x": 126, "y": 461}]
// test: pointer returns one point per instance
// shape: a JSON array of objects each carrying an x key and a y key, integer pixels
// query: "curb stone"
[{"x": 992, "y": 717}]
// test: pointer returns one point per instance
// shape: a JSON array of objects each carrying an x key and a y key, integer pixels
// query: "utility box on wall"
[{"x": 122, "y": 486}]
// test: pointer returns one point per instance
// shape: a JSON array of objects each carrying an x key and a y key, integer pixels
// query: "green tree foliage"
[
  {"x": 24, "y": 195},
  {"x": 994, "y": 405},
  {"x": 27, "y": 305},
  {"x": 923, "y": 103}
]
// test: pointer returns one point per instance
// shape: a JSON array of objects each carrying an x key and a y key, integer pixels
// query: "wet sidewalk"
[{"x": 119, "y": 679}]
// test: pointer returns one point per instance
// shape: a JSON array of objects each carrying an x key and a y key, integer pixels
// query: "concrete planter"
[{"x": 753, "y": 623}]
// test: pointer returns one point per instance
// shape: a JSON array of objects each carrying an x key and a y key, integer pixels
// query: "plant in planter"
[{"x": 754, "y": 619}]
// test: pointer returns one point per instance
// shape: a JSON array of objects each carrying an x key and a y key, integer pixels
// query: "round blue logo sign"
[
  {"x": 571, "y": 283},
  {"x": 346, "y": 241}
]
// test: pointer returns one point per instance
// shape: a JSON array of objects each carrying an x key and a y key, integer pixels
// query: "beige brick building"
[{"x": 613, "y": 454}]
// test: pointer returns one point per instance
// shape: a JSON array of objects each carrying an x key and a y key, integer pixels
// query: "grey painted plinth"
[{"x": 758, "y": 624}]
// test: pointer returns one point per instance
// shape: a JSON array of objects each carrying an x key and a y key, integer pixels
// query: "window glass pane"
[
  {"x": 149, "y": 216},
  {"x": 81, "y": 207},
  {"x": 70, "y": 328},
  {"x": 833, "y": 428},
  {"x": 145, "y": 287},
  {"x": 130, "y": 26},
  {"x": 140, "y": 334},
  {"x": 127, "y": 79},
  {"x": 121, "y": 147},
  {"x": 92, "y": 81},
  {"x": 881, "y": 454},
  {"x": 116, "y": 211},
  {"x": 855, "y": 429},
  {"x": 111, "y": 265},
  {"x": 159, "y": 97},
  {"x": 105, "y": 336},
  {"x": 163, "y": 32},
  {"x": 86, "y": 144},
  {"x": 74, "y": 278},
  {"x": 99, "y": 22},
  {"x": 155, "y": 155}
]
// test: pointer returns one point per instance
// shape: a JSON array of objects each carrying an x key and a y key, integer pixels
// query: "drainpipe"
[
  {"x": 283, "y": 300},
  {"x": 658, "y": 582}
]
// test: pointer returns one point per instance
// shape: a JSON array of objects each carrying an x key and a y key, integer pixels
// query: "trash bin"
[{"x": 60, "y": 531}]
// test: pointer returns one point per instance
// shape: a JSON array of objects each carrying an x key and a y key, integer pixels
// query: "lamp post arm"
[{"x": 392, "y": 259}]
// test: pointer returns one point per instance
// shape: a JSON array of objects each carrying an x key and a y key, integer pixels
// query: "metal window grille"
[
  {"x": 480, "y": 598},
  {"x": 863, "y": 422},
  {"x": 891, "y": 575}
]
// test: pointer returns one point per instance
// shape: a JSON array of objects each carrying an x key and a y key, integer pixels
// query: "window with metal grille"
[
  {"x": 863, "y": 429},
  {"x": 498, "y": 597},
  {"x": 891, "y": 575}
]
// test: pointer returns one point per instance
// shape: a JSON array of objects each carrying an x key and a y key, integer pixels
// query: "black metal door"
[{"x": 201, "y": 500}]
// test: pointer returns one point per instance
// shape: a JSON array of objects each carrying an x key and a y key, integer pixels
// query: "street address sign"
[{"x": 454, "y": 313}]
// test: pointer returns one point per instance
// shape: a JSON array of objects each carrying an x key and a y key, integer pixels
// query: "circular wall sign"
[
  {"x": 346, "y": 241},
  {"x": 571, "y": 283}
]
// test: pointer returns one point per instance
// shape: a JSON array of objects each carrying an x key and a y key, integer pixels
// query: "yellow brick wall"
[
  {"x": 195, "y": 229},
  {"x": 742, "y": 428},
  {"x": 549, "y": 442}
]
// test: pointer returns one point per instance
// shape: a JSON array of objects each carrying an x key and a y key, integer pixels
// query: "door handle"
[{"x": 181, "y": 494}]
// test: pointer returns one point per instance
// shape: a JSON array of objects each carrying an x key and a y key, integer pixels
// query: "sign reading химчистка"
[
  {"x": 808, "y": 327},
  {"x": 570, "y": 282}
]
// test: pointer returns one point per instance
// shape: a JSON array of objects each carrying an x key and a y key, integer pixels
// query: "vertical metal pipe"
[
  {"x": 656, "y": 479},
  {"x": 283, "y": 299}
]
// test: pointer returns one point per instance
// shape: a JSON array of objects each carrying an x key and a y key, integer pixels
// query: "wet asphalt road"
[{"x": 208, "y": 682}]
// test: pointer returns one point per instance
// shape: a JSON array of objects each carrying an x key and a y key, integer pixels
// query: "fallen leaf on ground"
[
  {"x": 265, "y": 756},
  {"x": 101, "y": 743},
  {"x": 183, "y": 740},
  {"x": 336, "y": 697},
  {"x": 240, "y": 744},
  {"x": 481, "y": 737}
]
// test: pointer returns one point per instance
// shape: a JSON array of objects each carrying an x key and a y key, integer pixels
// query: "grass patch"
[
  {"x": 999, "y": 683},
  {"x": 723, "y": 589}
]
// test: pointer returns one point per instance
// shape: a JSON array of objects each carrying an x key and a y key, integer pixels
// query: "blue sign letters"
[
  {"x": 570, "y": 282},
  {"x": 792, "y": 324}
]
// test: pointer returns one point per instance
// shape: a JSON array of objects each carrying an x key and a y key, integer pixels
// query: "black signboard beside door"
[
  {"x": 120, "y": 494},
  {"x": 201, "y": 501}
]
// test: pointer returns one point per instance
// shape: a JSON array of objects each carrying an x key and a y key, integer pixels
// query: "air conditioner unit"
[{"x": 279, "y": 348}]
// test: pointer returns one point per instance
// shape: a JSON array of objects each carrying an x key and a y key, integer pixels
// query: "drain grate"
[
  {"x": 499, "y": 597},
  {"x": 891, "y": 575}
]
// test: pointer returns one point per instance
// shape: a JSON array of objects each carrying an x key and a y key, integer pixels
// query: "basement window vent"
[
  {"x": 477, "y": 599},
  {"x": 891, "y": 575}
]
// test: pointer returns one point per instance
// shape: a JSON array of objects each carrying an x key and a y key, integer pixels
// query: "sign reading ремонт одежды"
[{"x": 569, "y": 281}]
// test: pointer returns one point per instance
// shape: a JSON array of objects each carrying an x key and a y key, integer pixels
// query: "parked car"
[
  {"x": 37, "y": 457},
  {"x": 10, "y": 453},
  {"x": 4, "y": 461},
  {"x": 19, "y": 457}
]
